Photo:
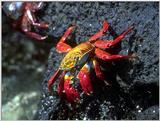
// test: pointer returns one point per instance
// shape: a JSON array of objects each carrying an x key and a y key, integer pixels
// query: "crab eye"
[
  {"x": 76, "y": 58},
  {"x": 77, "y": 67}
]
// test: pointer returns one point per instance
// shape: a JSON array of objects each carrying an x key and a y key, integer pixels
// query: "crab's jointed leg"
[
  {"x": 97, "y": 69},
  {"x": 37, "y": 6},
  {"x": 104, "y": 44},
  {"x": 108, "y": 57},
  {"x": 72, "y": 94},
  {"x": 25, "y": 27},
  {"x": 62, "y": 46},
  {"x": 32, "y": 20},
  {"x": 84, "y": 78},
  {"x": 35, "y": 35},
  {"x": 60, "y": 88},
  {"x": 99, "y": 72},
  {"x": 53, "y": 79},
  {"x": 100, "y": 32}
]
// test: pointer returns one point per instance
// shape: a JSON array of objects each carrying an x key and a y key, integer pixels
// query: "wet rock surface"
[
  {"x": 135, "y": 85},
  {"x": 152, "y": 113},
  {"x": 134, "y": 89}
]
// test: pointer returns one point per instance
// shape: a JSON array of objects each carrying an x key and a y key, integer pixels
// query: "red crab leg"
[
  {"x": 104, "y": 44},
  {"x": 25, "y": 29},
  {"x": 35, "y": 35},
  {"x": 99, "y": 72},
  {"x": 37, "y": 6},
  {"x": 61, "y": 46},
  {"x": 100, "y": 32},
  {"x": 97, "y": 69},
  {"x": 60, "y": 88},
  {"x": 72, "y": 94},
  {"x": 41, "y": 25},
  {"x": 53, "y": 79},
  {"x": 84, "y": 78},
  {"x": 30, "y": 16},
  {"x": 33, "y": 6},
  {"x": 108, "y": 57}
]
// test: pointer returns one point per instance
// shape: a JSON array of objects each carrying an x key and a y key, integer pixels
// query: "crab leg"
[
  {"x": 30, "y": 16},
  {"x": 61, "y": 46},
  {"x": 100, "y": 32},
  {"x": 99, "y": 72},
  {"x": 104, "y": 44},
  {"x": 72, "y": 94},
  {"x": 35, "y": 35},
  {"x": 108, "y": 57},
  {"x": 41, "y": 25},
  {"x": 84, "y": 78},
  {"x": 26, "y": 30},
  {"x": 60, "y": 88},
  {"x": 97, "y": 69},
  {"x": 38, "y": 6},
  {"x": 53, "y": 79}
]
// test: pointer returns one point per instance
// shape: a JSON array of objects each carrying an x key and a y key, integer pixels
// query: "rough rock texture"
[
  {"x": 134, "y": 83},
  {"x": 150, "y": 114}
]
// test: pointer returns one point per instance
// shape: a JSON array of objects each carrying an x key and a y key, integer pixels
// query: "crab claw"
[
  {"x": 84, "y": 78},
  {"x": 72, "y": 94}
]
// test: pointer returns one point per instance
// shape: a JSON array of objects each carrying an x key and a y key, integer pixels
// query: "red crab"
[
  {"x": 23, "y": 17},
  {"x": 76, "y": 63}
]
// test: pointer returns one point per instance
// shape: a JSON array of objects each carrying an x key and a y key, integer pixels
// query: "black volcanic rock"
[{"x": 134, "y": 83}]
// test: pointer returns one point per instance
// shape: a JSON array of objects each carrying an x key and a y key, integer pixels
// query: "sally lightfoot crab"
[
  {"x": 77, "y": 62},
  {"x": 22, "y": 14}
]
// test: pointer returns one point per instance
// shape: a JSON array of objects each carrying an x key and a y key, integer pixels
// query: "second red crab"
[{"x": 24, "y": 20}]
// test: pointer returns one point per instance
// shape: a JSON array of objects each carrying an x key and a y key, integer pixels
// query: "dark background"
[{"x": 135, "y": 84}]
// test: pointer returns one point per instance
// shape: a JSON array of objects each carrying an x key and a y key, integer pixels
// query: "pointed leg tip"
[
  {"x": 43, "y": 38},
  {"x": 89, "y": 93},
  {"x": 135, "y": 56},
  {"x": 107, "y": 83},
  {"x": 47, "y": 26},
  {"x": 77, "y": 100},
  {"x": 49, "y": 88},
  {"x": 106, "y": 22},
  {"x": 131, "y": 27},
  {"x": 106, "y": 25}
]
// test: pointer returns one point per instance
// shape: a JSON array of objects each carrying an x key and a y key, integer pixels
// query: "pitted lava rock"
[{"x": 134, "y": 88}]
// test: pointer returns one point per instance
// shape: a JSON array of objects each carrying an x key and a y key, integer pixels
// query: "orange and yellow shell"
[{"x": 76, "y": 56}]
